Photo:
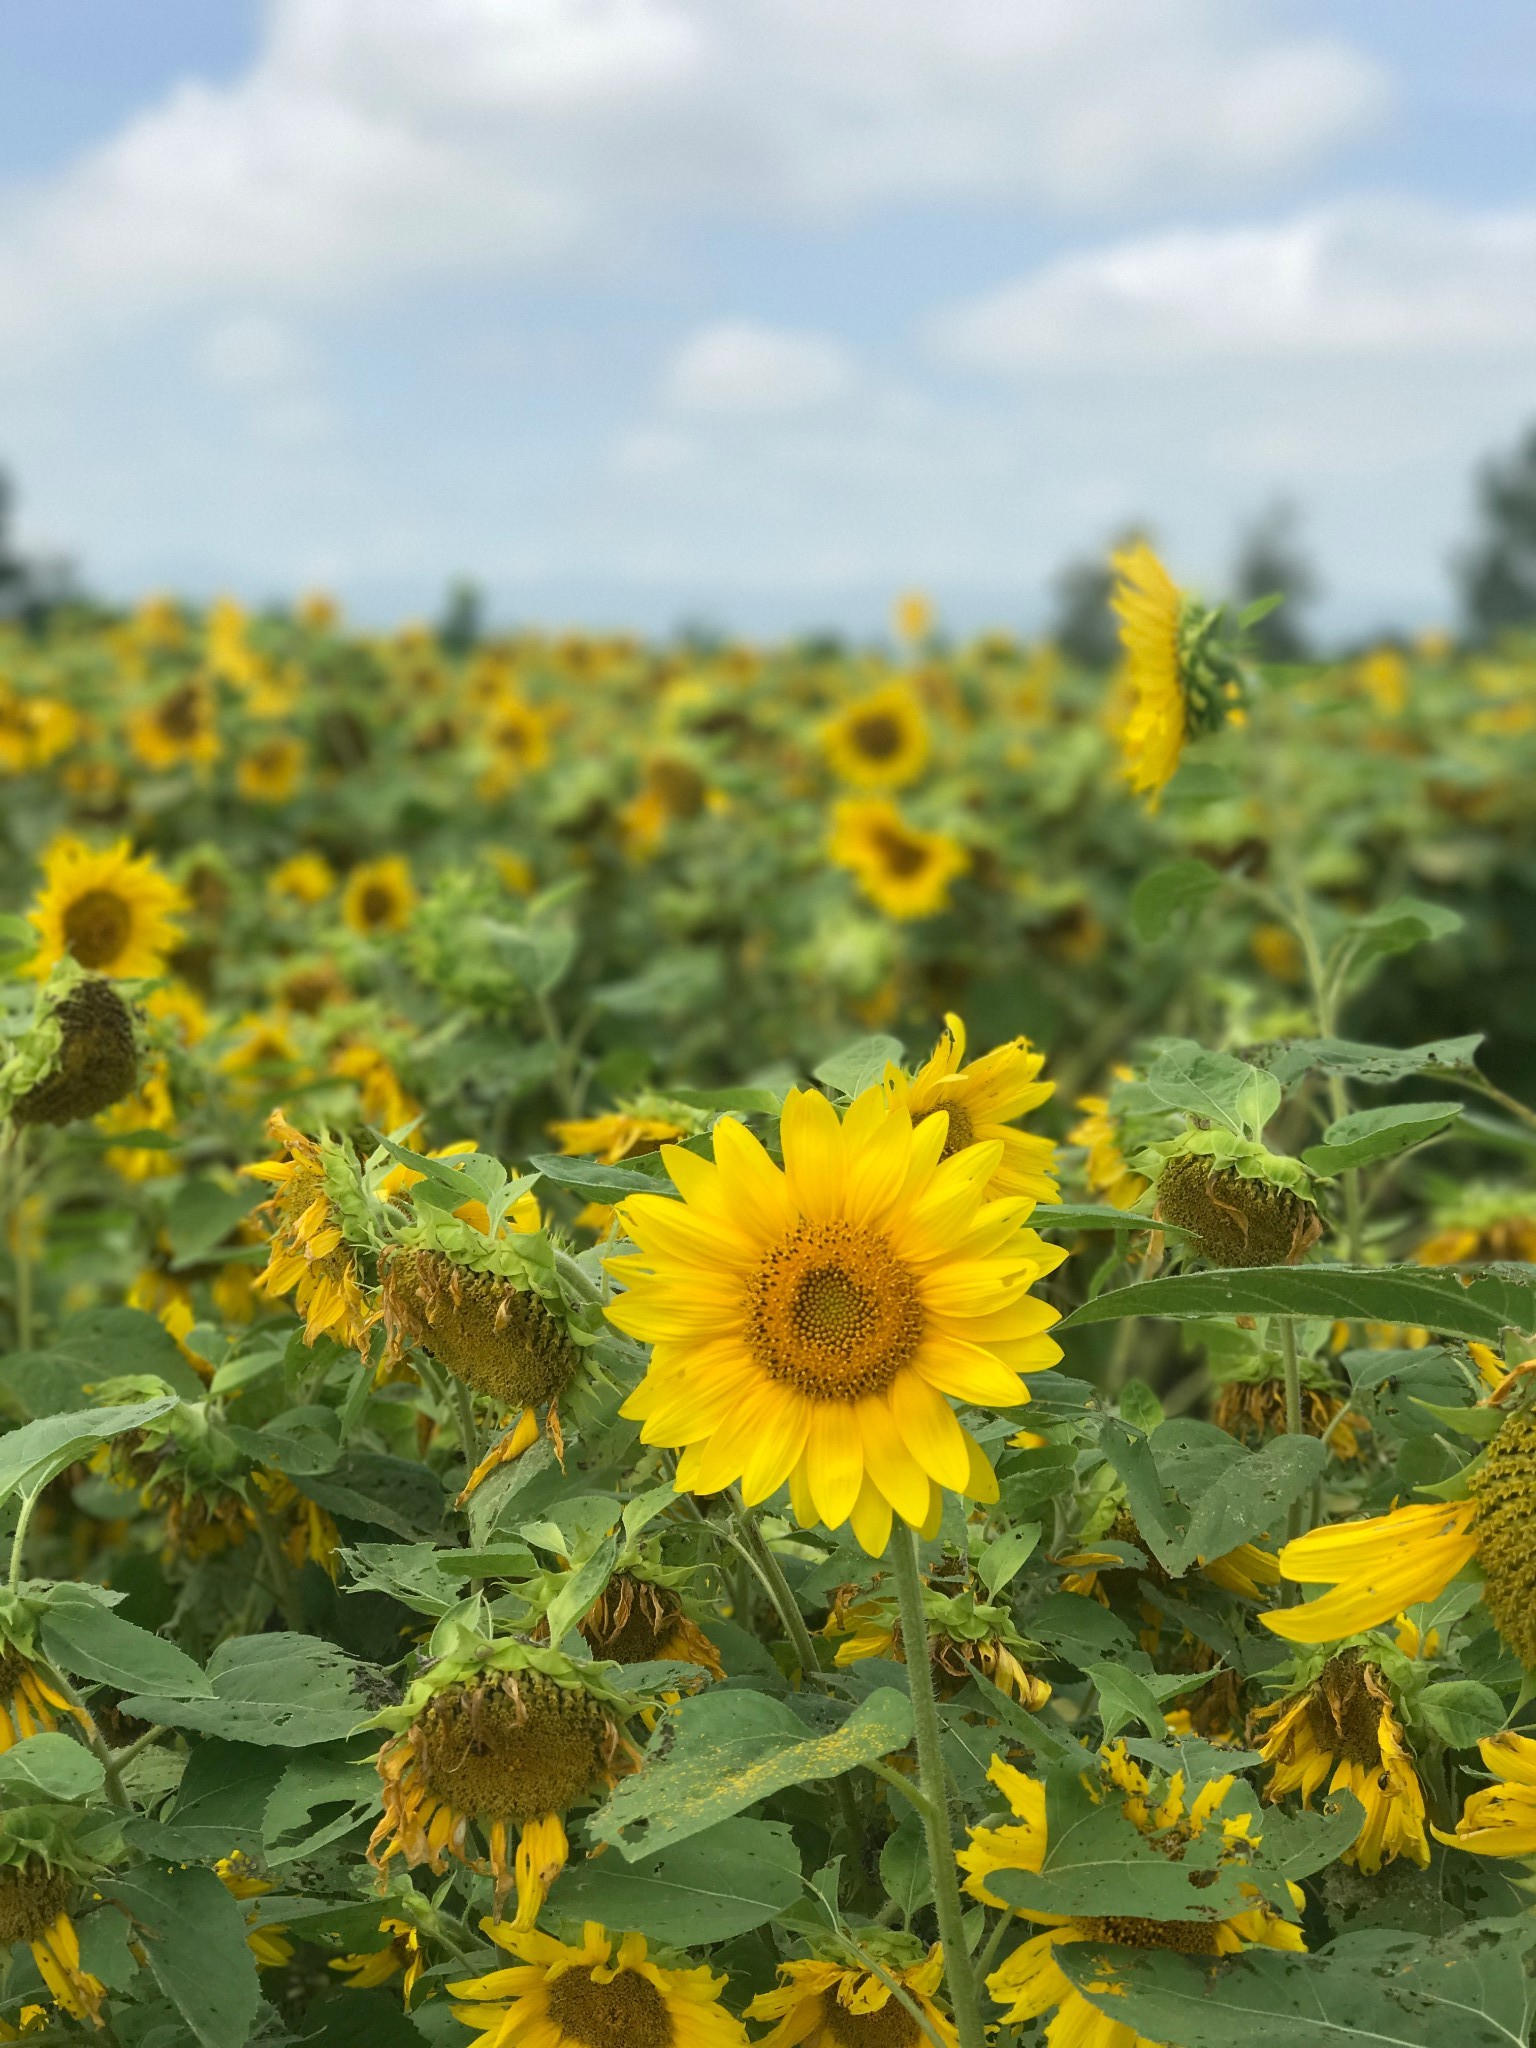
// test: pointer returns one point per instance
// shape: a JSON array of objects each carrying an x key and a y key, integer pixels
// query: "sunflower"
[
  {"x": 903, "y": 870},
  {"x": 150, "y": 1108},
  {"x": 373, "y": 1967},
  {"x": 516, "y": 737},
  {"x": 110, "y": 911},
  {"x": 1483, "y": 1223},
  {"x": 310, "y": 1256},
  {"x": 507, "y": 1738},
  {"x": 825, "y": 2004},
  {"x": 33, "y": 731},
  {"x": 808, "y": 1323},
  {"x": 29, "y": 1705},
  {"x": 382, "y": 1100},
  {"x": 965, "y": 1635},
  {"x": 178, "y": 728},
  {"x": 265, "y": 1054},
  {"x": 880, "y": 741},
  {"x": 982, "y": 1101},
  {"x": 35, "y": 1899},
  {"x": 269, "y": 773},
  {"x": 1500, "y": 1819},
  {"x": 559, "y": 1995},
  {"x": 1343, "y": 1729},
  {"x": 269, "y": 1945},
  {"x": 1254, "y": 1410},
  {"x": 1381, "y": 1566},
  {"x": 379, "y": 897},
  {"x": 79, "y": 1055},
  {"x": 1031, "y": 1982},
  {"x": 614, "y": 1136},
  {"x": 306, "y": 877},
  {"x": 1180, "y": 681},
  {"x": 1105, "y": 1168}
]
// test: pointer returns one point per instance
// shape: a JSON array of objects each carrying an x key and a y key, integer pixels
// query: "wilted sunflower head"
[
  {"x": 112, "y": 911},
  {"x": 1241, "y": 1204},
  {"x": 504, "y": 1341},
  {"x": 79, "y": 1055}
]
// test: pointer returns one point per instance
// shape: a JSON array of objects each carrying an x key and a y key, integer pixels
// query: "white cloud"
[
  {"x": 740, "y": 367},
  {"x": 253, "y": 352},
  {"x": 1360, "y": 282},
  {"x": 381, "y": 142}
]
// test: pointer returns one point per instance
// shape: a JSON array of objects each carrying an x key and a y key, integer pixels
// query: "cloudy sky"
[{"x": 758, "y": 311}]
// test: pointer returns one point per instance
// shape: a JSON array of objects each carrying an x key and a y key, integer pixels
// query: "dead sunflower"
[{"x": 79, "y": 1055}]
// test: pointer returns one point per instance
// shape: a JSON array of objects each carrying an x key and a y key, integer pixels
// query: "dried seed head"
[
  {"x": 512, "y": 1750},
  {"x": 31, "y": 1898},
  {"x": 497, "y": 1338},
  {"x": 1235, "y": 1221},
  {"x": 97, "y": 1062},
  {"x": 1504, "y": 1487}
]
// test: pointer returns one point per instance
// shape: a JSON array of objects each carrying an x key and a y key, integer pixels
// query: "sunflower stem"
[
  {"x": 19, "y": 1540},
  {"x": 277, "y": 1566},
  {"x": 16, "y": 1184},
  {"x": 95, "y": 1741},
  {"x": 958, "y": 1973}
]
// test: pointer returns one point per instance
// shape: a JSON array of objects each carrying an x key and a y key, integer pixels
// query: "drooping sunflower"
[
  {"x": 965, "y": 1635},
  {"x": 1031, "y": 1983},
  {"x": 506, "y": 1737},
  {"x": 903, "y": 870},
  {"x": 1500, "y": 1819},
  {"x": 401, "y": 1954},
  {"x": 808, "y": 1322},
  {"x": 880, "y": 741},
  {"x": 379, "y": 897},
  {"x": 1343, "y": 1730},
  {"x": 111, "y": 911},
  {"x": 306, "y": 877},
  {"x": 559, "y": 1995},
  {"x": 1252, "y": 1407},
  {"x": 1379, "y": 1567},
  {"x": 35, "y": 1902},
  {"x": 1180, "y": 681},
  {"x": 268, "y": 1943},
  {"x": 983, "y": 1101},
  {"x": 269, "y": 773},
  {"x": 1483, "y": 1223},
  {"x": 179, "y": 729},
  {"x": 824, "y": 2004},
  {"x": 29, "y": 1705},
  {"x": 639, "y": 1618},
  {"x": 79, "y": 1055},
  {"x": 310, "y": 1258},
  {"x": 1105, "y": 1168}
]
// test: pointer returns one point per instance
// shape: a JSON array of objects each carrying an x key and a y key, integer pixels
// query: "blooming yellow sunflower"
[
  {"x": 35, "y": 1898},
  {"x": 111, "y": 911},
  {"x": 270, "y": 1944},
  {"x": 1031, "y": 1982},
  {"x": 1500, "y": 1819},
  {"x": 516, "y": 739},
  {"x": 180, "y": 728},
  {"x": 310, "y": 1257},
  {"x": 983, "y": 1101},
  {"x": 381, "y": 1097},
  {"x": 808, "y": 1322},
  {"x": 306, "y": 877},
  {"x": 1343, "y": 1730},
  {"x": 402, "y": 1952},
  {"x": 1105, "y": 1168},
  {"x": 880, "y": 741},
  {"x": 1381, "y": 1566},
  {"x": 560, "y": 1995},
  {"x": 904, "y": 871},
  {"x": 1147, "y": 602},
  {"x": 379, "y": 897},
  {"x": 33, "y": 731},
  {"x": 269, "y": 773},
  {"x": 507, "y": 1738},
  {"x": 824, "y": 2004}
]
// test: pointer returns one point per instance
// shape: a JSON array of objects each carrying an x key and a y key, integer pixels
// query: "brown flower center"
[
  {"x": 962, "y": 1131},
  {"x": 891, "y": 2027},
  {"x": 31, "y": 1898},
  {"x": 903, "y": 856},
  {"x": 632, "y": 1620},
  {"x": 513, "y": 1751},
  {"x": 833, "y": 1312},
  {"x": 1188, "y": 1937},
  {"x": 97, "y": 926},
  {"x": 1344, "y": 1709},
  {"x": 376, "y": 905},
  {"x": 877, "y": 736},
  {"x": 628, "y": 2012},
  {"x": 180, "y": 715}
]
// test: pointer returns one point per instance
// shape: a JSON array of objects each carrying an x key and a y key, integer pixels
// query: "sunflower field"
[{"x": 706, "y": 1344}]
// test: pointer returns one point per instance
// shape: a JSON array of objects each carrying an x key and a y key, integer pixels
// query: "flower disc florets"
[
  {"x": 1504, "y": 1488},
  {"x": 500, "y": 1339},
  {"x": 1235, "y": 1219},
  {"x": 513, "y": 1749},
  {"x": 31, "y": 1898}
]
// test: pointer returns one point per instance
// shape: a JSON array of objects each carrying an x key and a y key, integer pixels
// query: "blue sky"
[{"x": 759, "y": 311}]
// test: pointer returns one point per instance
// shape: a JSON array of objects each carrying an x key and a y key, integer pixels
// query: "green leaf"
[
  {"x": 35, "y": 1453},
  {"x": 858, "y": 1066},
  {"x": 222, "y": 1798},
  {"x": 1372, "y": 1294},
  {"x": 55, "y": 1765},
  {"x": 1374, "y": 1989},
  {"x": 904, "y": 1867},
  {"x": 1250, "y": 1498},
  {"x": 1126, "y": 1696},
  {"x": 286, "y": 1691},
  {"x": 1139, "y": 1406},
  {"x": 1214, "y": 1085},
  {"x": 1461, "y": 1711},
  {"x": 597, "y": 1183},
  {"x": 83, "y": 1637},
  {"x": 1371, "y": 1134},
  {"x": 1261, "y": 608},
  {"x": 373, "y": 1488},
  {"x": 1007, "y": 1555},
  {"x": 193, "y": 1932},
  {"x": 1400, "y": 926},
  {"x": 721, "y": 1752},
  {"x": 749, "y": 1101},
  {"x": 712, "y": 1887},
  {"x": 202, "y": 1214},
  {"x": 1054, "y": 1216},
  {"x": 578, "y": 1589},
  {"x": 1378, "y": 1065},
  {"x": 1157, "y": 898},
  {"x": 89, "y": 1348},
  {"x": 343, "y": 1790}
]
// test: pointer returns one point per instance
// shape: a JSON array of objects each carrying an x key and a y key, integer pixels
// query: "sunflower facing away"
[
  {"x": 983, "y": 1101},
  {"x": 1377, "y": 1568},
  {"x": 379, "y": 897},
  {"x": 1105, "y": 1168},
  {"x": 268, "y": 1944},
  {"x": 1031, "y": 1983},
  {"x": 824, "y": 2004},
  {"x": 880, "y": 741},
  {"x": 903, "y": 870},
  {"x": 1180, "y": 681},
  {"x": 1500, "y": 1819},
  {"x": 1343, "y": 1731},
  {"x": 111, "y": 911},
  {"x": 310, "y": 1256},
  {"x": 810, "y": 1323},
  {"x": 35, "y": 1899},
  {"x": 597, "y": 1994}
]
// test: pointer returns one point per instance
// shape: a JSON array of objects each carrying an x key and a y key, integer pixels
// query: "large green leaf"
[
  {"x": 853, "y": 1068},
  {"x": 1374, "y": 1989},
  {"x": 193, "y": 1932},
  {"x": 97, "y": 1344},
  {"x": 1374, "y": 1294},
  {"x": 286, "y": 1691},
  {"x": 32, "y": 1455},
  {"x": 55, "y": 1765},
  {"x": 1371, "y": 1134},
  {"x": 202, "y": 1214},
  {"x": 1214, "y": 1085},
  {"x": 595, "y": 1182},
  {"x": 82, "y": 1636},
  {"x": 1377, "y": 1065},
  {"x": 221, "y": 1801},
  {"x": 712, "y": 1887},
  {"x": 720, "y": 1753},
  {"x": 1157, "y": 898}
]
